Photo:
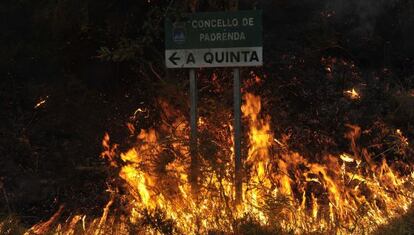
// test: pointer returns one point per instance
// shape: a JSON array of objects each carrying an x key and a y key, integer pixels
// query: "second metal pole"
[
  {"x": 238, "y": 180},
  {"x": 194, "y": 171}
]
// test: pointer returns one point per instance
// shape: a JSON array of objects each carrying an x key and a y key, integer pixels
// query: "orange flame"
[{"x": 280, "y": 186}]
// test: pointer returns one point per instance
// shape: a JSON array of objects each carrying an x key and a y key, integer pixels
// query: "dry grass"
[{"x": 401, "y": 226}]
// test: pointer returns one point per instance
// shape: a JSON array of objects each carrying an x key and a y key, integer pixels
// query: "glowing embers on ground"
[
  {"x": 352, "y": 94},
  {"x": 282, "y": 191}
]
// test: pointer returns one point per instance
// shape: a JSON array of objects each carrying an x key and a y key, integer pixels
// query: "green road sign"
[{"x": 214, "y": 39}]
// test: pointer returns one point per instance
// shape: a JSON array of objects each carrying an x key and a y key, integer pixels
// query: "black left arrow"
[{"x": 173, "y": 58}]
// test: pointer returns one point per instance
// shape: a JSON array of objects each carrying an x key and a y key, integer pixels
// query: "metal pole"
[
  {"x": 193, "y": 132},
  {"x": 238, "y": 180}
]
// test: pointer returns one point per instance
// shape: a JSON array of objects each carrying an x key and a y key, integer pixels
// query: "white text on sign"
[
  {"x": 222, "y": 23},
  {"x": 217, "y": 57}
]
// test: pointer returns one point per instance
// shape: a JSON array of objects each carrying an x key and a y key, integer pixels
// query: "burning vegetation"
[
  {"x": 326, "y": 139},
  {"x": 283, "y": 191}
]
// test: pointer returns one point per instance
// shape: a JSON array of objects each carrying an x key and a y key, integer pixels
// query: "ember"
[
  {"x": 41, "y": 102},
  {"x": 352, "y": 94}
]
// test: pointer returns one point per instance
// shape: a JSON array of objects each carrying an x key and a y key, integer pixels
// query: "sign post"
[
  {"x": 193, "y": 131},
  {"x": 238, "y": 179},
  {"x": 215, "y": 39}
]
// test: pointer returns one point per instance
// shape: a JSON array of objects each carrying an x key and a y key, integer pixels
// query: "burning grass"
[{"x": 283, "y": 192}]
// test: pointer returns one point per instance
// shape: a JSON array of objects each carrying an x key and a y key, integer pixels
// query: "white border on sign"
[{"x": 214, "y": 57}]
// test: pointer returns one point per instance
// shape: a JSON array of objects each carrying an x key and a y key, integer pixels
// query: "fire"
[
  {"x": 347, "y": 193},
  {"x": 260, "y": 135},
  {"x": 402, "y": 138},
  {"x": 41, "y": 102},
  {"x": 352, "y": 94}
]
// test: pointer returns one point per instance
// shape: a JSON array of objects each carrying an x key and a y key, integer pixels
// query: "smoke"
[{"x": 364, "y": 13}]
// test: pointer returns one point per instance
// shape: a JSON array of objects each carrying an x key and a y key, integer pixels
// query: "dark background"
[{"x": 96, "y": 61}]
